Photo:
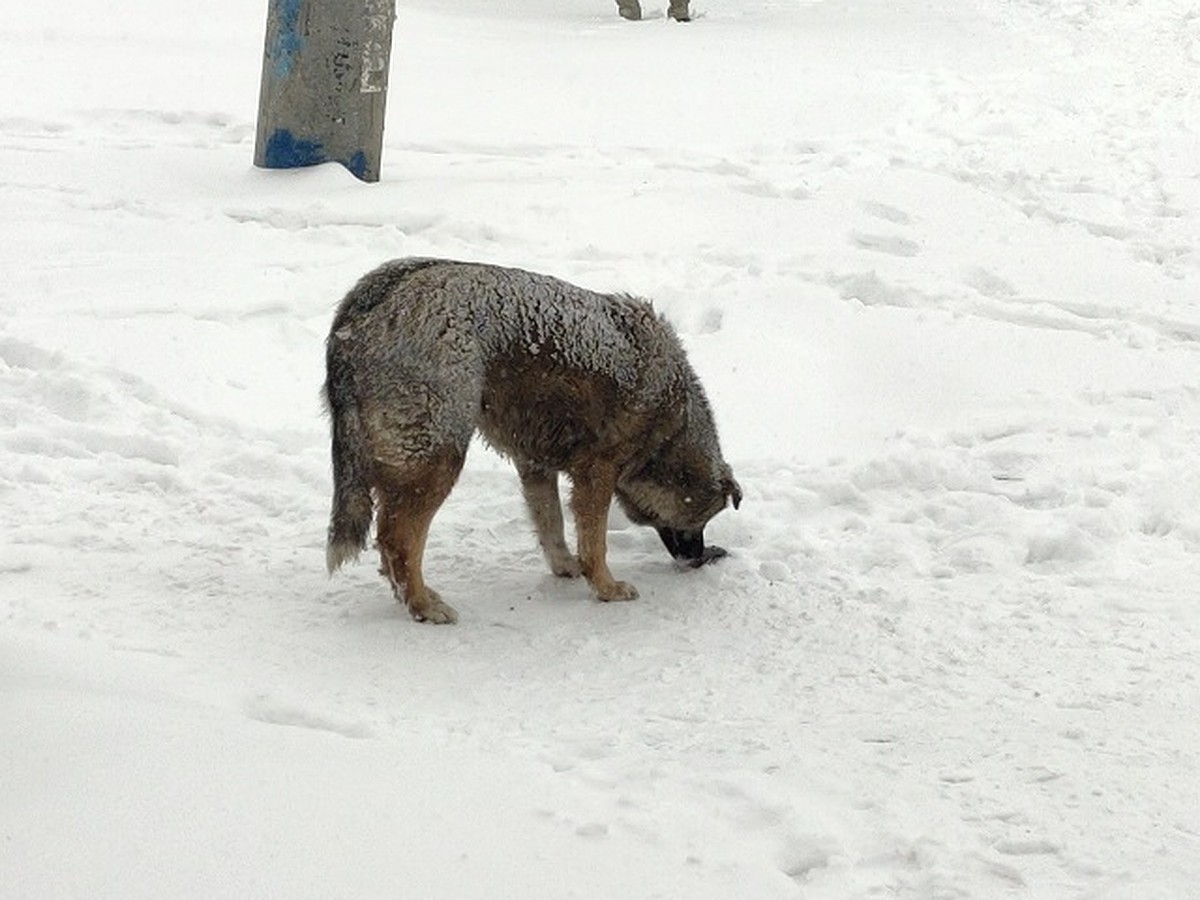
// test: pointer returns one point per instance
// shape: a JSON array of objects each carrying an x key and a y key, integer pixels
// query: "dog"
[{"x": 424, "y": 353}]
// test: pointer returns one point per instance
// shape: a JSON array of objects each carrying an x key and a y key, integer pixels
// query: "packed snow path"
[{"x": 936, "y": 263}]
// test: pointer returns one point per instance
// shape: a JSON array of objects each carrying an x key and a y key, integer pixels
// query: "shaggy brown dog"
[{"x": 425, "y": 352}]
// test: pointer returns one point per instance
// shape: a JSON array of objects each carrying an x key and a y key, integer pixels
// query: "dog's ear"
[{"x": 729, "y": 486}]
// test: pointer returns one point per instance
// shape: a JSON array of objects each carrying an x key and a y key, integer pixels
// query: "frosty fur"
[{"x": 423, "y": 353}]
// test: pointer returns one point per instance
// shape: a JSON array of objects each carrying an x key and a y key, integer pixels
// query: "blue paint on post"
[
  {"x": 285, "y": 151},
  {"x": 288, "y": 42},
  {"x": 357, "y": 164}
]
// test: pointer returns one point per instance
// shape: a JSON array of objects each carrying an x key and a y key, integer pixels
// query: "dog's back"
[
  {"x": 540, "y": 366},
  {"x": 447, "y": 309}
]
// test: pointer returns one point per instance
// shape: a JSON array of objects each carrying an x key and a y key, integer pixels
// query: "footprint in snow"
[
  {"x": 884, "y": 243},
  {"x": 884, "y": 211}
]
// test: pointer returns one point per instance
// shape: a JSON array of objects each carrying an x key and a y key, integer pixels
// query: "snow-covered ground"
[{"x": 938, "y": 264}]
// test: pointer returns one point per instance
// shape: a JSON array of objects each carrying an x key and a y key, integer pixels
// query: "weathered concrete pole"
[{"x": 324, "y": 84}]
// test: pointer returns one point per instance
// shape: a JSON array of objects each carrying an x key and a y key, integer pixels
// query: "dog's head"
[
  {"x": 677, "y": 493},
  {"x": 683, "y": 481}
]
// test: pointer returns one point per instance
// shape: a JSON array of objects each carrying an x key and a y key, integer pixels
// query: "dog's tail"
[{"x": 350, "y": 518}]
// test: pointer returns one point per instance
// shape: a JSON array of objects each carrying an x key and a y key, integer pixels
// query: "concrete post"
[{"x": 324, "y": 84}]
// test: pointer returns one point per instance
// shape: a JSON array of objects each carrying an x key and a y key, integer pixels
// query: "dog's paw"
[
  {"x": 617, "y": 591},
  {"x": 711, "y": 553},
  {"x": 433, "y": 609},
  {"x": 566, "y": 566}
]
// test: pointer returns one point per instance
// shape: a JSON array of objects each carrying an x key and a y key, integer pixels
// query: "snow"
[{"x": 936, "y": 263}]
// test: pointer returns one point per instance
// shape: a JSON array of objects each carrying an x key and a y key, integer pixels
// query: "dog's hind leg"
[
  {"x": 408, "y": 500},
  {"x": 591, "y": 495},
  {"x": 540, "y": 486}
]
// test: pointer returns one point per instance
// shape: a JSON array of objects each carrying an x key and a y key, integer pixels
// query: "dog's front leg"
[
  {"x": 540, "y": 487},
  {"x": 590, "y": 498}
]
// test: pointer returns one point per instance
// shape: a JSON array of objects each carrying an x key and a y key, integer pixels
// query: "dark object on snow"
[
  {"x": 324, "y": 84},
  {"x": 688, "y": 546}
]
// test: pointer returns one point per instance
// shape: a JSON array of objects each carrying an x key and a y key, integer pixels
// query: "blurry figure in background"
[{"x": 632, "y": 10}]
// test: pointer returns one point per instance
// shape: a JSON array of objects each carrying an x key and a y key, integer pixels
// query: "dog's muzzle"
[{"x": 688, "y": 547}]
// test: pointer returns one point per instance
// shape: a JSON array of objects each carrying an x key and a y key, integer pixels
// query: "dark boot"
[
  {"x": 629, "y": 9},
  {"x": 678, "y": 10}
]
